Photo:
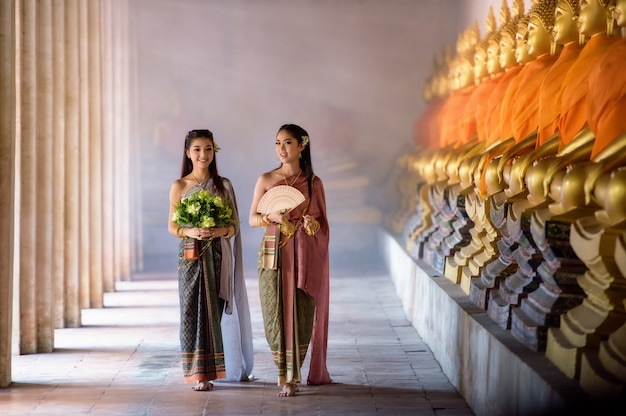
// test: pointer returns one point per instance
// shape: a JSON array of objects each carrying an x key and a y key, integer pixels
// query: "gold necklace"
[
  {"x": 285, "y": 177},
  {"x": 197, "y": 181}
]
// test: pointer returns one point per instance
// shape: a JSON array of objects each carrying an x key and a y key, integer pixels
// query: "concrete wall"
[{"x": 493, "y": 372}]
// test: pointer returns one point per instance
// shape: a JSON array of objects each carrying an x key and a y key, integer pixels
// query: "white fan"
[{"x": 280, "y": 198}]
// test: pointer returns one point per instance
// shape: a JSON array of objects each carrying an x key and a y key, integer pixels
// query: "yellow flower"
[
  {"x": 207, "y": 222},
  {"x": 194, "y": 208}
]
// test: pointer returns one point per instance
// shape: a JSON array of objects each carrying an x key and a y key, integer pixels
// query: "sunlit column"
[
  {"x": 71, "y": 253},
  {"x": 44, "y": 153},
  {"x": 26, "y": 180},
  {"x": 95, "y": 155},
  {"x": 7, "y": 165},
  {"x": 84, "y": 175},
  {"x": 129, "y": 131},
  {"x": 121, "y": 138},
  {"x": 58, "y": 160},
  {"x": 135, "y": 210},
  {"x": 108, "y": 171}
]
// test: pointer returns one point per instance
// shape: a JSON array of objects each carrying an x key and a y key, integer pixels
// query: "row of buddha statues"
[{"x": 516, "y": 185}]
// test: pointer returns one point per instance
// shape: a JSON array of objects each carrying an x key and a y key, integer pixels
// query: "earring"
[
  {"x": 299, "y": 155},
  {"x": 610, "y": 25}
]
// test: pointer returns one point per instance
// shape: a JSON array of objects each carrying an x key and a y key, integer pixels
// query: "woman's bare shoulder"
[
  {"x": 268, "y": 179},
  {"x": 180, "y": 186}
]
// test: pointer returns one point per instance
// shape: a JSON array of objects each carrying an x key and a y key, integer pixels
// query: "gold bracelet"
[
  {"x": 266, "y": 219},
  {"x": 180, "y": 232},
  {"x": 230, "y": 232}
]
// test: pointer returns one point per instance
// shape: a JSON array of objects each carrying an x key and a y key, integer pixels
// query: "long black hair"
[
  {"x": 187, "y": 166},
  {"x": 301, "y": 135}
]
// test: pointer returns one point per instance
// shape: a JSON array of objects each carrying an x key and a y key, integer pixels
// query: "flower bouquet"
[{"x": 201, "y": 209}]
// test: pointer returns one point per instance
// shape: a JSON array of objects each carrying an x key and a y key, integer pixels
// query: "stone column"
[
  {"x": 108, "y": 170},
  {"x": 122, "y": 140},
  {"x": 95, "y": 155},
  {"x": 72, "y": 251},
  {"x": 135, "y": 209},
  {"x": 58, "y": 160},
  {"x": 84, "y": 246},
  {"x": 26, "y": 179},
  {"x": 7, "y": 166},
  {"x": 44, "y": 185}
]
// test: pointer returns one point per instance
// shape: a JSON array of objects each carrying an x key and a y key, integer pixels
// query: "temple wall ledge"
[{"x": 493, "y": 371}]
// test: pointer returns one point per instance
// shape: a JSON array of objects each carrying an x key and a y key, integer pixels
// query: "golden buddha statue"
[
  {"x": 501, "y": 100},
  {"x": 594, "y": 20},
  {"x": 497, "y": 80},
  {"x": 565, "y": 33},
  {"x": 606, "y": 101},
  {"x": 455, "y": 128},
  {"x": 542, "y": 48},
  {"x": 426, "y": 135},
  {"x": 469, "y": 162},
  {"x": 574, "y": 346},
  {"x": 605, "y": 107},
  {"x": 502, "y": 56},
  {"x": 445, "y": 191},
  {"x": 603, "y": 371},
  {"x": 522, "y": 58},
  {"x": 575, "y": 139},
  {"x": 543, "y": 53},
  {"x": 596, "y": 17},
  {"x": 551, "y": 26},
  {"x": 526, "y": 112},
  {"x": 483, "y": 79}
]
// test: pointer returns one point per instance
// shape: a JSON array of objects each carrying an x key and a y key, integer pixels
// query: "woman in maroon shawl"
[{"x": 294, "y": 265}]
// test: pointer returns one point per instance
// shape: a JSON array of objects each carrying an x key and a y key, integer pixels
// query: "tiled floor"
[{"x": 125, "y": 361}]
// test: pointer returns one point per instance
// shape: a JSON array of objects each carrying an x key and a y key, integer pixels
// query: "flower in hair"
[
  {"x": 216, "y": 148},
  {"x": 305, "y": 140}
]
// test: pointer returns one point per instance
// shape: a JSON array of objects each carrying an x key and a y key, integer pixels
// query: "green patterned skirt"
[
  {"x": 288, "y": 315},
  {"x": 201, "y": 310}
]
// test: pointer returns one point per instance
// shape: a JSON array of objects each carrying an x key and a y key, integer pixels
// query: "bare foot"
[
  {"x": 203, "y": 386},
  {"x": 288, "y": 390}
]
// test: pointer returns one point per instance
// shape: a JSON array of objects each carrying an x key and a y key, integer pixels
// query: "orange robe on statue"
[
  {"x": 576, "y": 87},
  {"x": 494, "y": 104},
  {"x": 454, "y": 128},
  {"x": 427, "y": 128},
  {"x": 526, "y": 105},
  {"x": 492, "y": 120},
  {"x": 550, "y": 92},
  {"x": 478, "y": 104},
  {"x": 508, "y": 103},
  {"x": 606, "y": 101}
]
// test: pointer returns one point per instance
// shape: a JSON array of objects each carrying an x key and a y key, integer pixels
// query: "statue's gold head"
[
  {"x": 480, "y": 50},
  {"x": 461, "y": 69},
  {"x": 506, "y": 56},
  {"x": 565, "y": 30},
  {"x": 493, "y": 55},
  {"x": 540, "y": 25},
  {"x": 494, "y": 65},
  {"x": 596, "y": 17},
  {"x": 521, "y": 41},
  {"x": 480, "y": 62}
]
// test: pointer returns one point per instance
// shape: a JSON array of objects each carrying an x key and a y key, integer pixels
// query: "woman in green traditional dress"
[
  {"x": 215, "y": 327},
  {"x": 294, "y": 265}
]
